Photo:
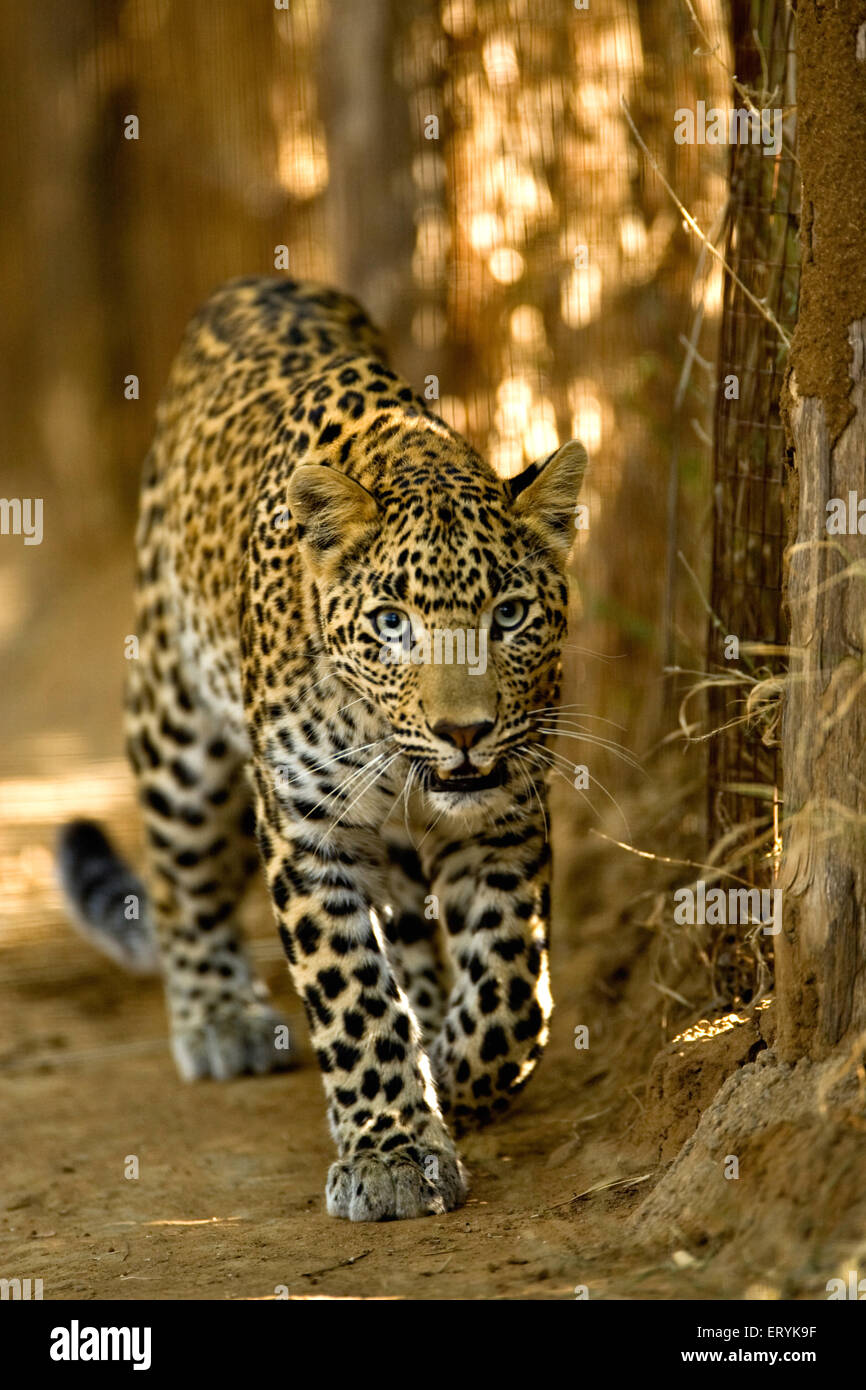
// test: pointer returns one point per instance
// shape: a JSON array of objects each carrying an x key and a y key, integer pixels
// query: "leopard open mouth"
[{"x": 466, "y": 779}]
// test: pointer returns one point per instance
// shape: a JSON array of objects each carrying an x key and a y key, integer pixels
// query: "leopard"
[{"x": 309, "y": 529}]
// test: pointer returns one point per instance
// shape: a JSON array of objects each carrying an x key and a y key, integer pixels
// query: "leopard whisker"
[
  {"x": 360, "y": 700},
  {"x": 561, "y": 758},
  {"x": 339, "y": 757},
  {"x": 587, "y": 651},
  {"x": 543, "y": 757},
  {"x": 344, "y": 786},
  {"x": 380, "y": 771},
  {"x": 389, "y": 761},
  {"x": 431, "y": 828},
  {"x": 534, "y": 789},
  {"x": 585, "y": 736},
  {"x": 581, "y": 712},
  {"x": 575, "y": 730},
  {"x": 407, "y": 788},
  {"x": 551, "y": 767}
]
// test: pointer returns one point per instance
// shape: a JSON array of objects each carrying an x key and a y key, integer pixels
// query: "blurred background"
[{"x": 464, "y": 167}]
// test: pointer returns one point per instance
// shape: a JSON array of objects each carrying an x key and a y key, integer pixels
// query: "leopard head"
[{"x": 442, "y": 600}]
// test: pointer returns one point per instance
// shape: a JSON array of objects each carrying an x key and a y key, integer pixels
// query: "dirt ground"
[{"x": 228, "y": 1198}]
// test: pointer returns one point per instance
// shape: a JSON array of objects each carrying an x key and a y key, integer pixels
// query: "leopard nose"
[{"x": 463, "y": 736}]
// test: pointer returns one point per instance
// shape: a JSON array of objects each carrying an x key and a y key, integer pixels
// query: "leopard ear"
[
  {"x": 547, "y": 490},
  {"x": 328, "y": 507}
]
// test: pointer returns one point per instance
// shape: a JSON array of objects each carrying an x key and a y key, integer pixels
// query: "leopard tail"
[{"x": 105, "y": 899}]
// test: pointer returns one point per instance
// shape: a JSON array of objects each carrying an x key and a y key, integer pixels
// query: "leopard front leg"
[
  {"x": 494, "y": 901},
  {"x": 396, "y": 1157},
  {"x": 412, "y": 933}
]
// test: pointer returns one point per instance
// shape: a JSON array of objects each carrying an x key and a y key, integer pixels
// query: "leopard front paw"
[
  {"x": 252, "y": 1038},
  {"x": 394, "y": 1186}
]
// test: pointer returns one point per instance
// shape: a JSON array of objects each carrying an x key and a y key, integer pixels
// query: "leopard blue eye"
[
  {"x": 392, "y": 623},
  {"x": 510, "y": 613}
]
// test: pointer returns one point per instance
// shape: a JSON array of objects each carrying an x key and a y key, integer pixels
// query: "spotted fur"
[{"x": 295, "y": 492}]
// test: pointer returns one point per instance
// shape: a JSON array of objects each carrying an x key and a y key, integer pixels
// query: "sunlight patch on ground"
[
  {"x": 32, "y": 807},
  {"x": 707, "y": 1028},
  {"x": 96, "y": 791}
]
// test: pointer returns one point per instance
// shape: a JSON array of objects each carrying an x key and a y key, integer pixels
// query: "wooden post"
[
  {"x": 369, "y": 195},
  {"x": 821, "y": 952}
]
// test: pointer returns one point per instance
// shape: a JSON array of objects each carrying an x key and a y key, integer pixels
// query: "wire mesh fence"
[{"x": 747, "y": 630}]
